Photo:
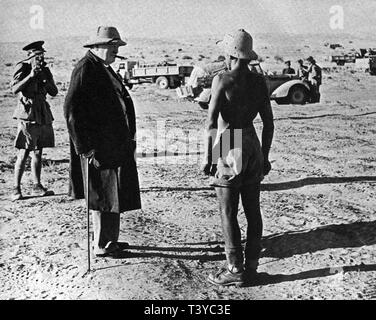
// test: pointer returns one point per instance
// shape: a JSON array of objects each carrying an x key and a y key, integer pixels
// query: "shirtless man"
[{"x": 239, "y": 163}]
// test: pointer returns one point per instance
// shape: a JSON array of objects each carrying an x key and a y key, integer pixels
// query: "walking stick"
[{"x": 88, "y": 214}]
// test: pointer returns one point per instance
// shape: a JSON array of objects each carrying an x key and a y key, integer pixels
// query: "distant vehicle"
[
  {"x": 283, "y": 88},
  {"x": 372, "y": 65},
  {"x": 335, "y": 46},
  {"x": 342, "y": 59},
  {"x": 360, "y": 58},
  {"x": 165, "y": 75},
  {"x": 199, "y": 83}
]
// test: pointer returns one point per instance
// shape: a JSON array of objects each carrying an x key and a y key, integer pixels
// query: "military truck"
[
  {"x": 283, "y": 88},
  {"x": 164, "y": 75},
  {"x": 342, "y": 59}
]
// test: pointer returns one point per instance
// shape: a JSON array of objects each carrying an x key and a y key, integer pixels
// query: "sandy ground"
[{"x": 318, "y": 203}]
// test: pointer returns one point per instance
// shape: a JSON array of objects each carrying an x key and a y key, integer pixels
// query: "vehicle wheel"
[
  {"x": 298, "y": 95},
  {"x": 162, "y": 82}
]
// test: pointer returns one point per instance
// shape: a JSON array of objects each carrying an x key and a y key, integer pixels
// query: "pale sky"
[{"x": 171, "y": 18}]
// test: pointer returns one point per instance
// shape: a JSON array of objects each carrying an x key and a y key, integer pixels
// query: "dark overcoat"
[{"x": 100, "y": 116}]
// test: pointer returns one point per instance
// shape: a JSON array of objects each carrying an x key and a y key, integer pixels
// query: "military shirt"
[{"x": 32, "y": 105}]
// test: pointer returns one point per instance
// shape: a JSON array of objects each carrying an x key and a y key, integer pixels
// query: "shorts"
[
  {"x": 32, "y": 136},
  {"x": 225, "y": 178},
  {"x": 241, "y": 166}
]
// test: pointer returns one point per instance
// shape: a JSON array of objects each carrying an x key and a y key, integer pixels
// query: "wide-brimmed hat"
[
  {"x": 105, "y": 35},
  {"x": 239, "y": 45}
]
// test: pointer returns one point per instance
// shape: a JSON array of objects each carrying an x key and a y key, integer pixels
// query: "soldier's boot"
[{"x": 233, "y": 272}]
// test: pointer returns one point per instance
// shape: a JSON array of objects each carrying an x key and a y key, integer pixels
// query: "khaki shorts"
[
  {"x": 251, "y": 167},
  {"x": 32, "y": 136},
  {"x": 226, "y": 178}
]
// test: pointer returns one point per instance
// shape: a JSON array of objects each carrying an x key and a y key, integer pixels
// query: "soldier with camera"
[{"x": 32, "y": 81}]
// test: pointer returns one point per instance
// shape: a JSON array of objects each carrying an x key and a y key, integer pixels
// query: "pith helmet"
[
  {"x": 106, "y": 35},
  {"x": 239, "y": 45}
]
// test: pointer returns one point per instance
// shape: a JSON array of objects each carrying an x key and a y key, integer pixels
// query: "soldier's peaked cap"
[{"x": 36, "y": 46}]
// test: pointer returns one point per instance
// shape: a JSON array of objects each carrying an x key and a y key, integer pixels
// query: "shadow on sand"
[
  {"x": 281, "y": 245},
  {"x": 325, "y": 116},
  {"x": 41, "y": 197},
  {"x": 278, "y": 186},
  {"x": 352, "y": 235},
  {"x": 265, "y": 278},
  {"x": 287, "y": 244}
]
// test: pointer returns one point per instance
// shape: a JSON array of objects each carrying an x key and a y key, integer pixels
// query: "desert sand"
[{"x": 318, "y": 202}]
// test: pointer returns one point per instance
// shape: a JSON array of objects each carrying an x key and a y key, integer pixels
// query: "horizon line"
[{"x": 207, "y": 34}]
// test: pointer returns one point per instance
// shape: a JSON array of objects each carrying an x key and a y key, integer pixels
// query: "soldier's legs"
[
  {"x": 19, "y": 167},
  {"x": 315, "y": 93},
  {"x": 228, "y": 207},
  {"x": 318, "y": 95},
  {"x": 250, "y": 195},
  {"x": 36, "y": 165},
  {"x": 228, "y": 199},
  {"x": 311, "y": 93},
  {"x": 36, "y": 169}
]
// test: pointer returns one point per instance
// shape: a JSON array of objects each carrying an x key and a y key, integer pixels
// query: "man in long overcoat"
[{"x": 101, "y": 122}]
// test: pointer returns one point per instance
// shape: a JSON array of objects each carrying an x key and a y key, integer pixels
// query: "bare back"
[
  {"x": 243, "y": 96},
  {"x": 237, "y": 97}
]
